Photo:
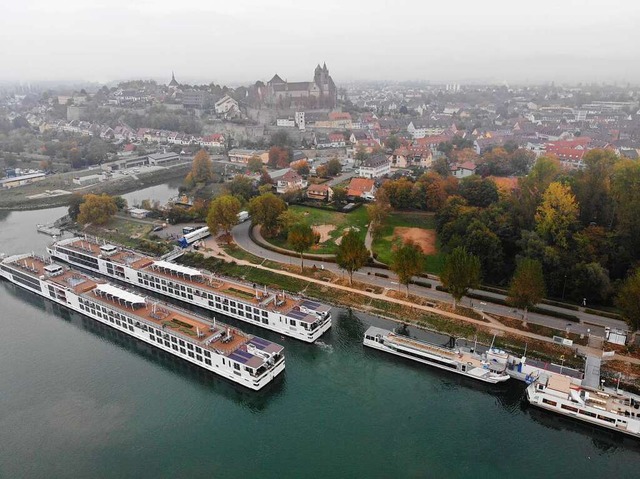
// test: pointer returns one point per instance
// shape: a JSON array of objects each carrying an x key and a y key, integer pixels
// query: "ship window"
[
  {"x": 182, "y": 350},
  {"x": 131, "y": 328},
  {"x": 292, "y": 322},
  {"x": 199, "y": 358},
  {"x": 569, "y": 408},
  {"x": 264, "y": 313},
  {"x": 190, "y": 354},
  {"x": 173, "y": 339},
  {"x": 175, "y": 347},
  {"x": 236, "y": 366},
  {"x": 190, "y": 346},
  {"x": 551, "y": 403},
  {"x": 207, "y": 361},
  {"x": 587, "y": 413},
  {"x": 605, "y": 418},
  {"x": 198, "y": 350},
  {"x": 152, "y": 338},
  {"x": 181, "y": 342},
  {"x": 264, "y": 320},
  {"x": 207, "y": 354}
]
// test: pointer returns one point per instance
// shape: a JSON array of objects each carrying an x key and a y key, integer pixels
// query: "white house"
[
  {"x": 289, "y": 181},
  {"x": 467, "y": 168},
  {"x": 225, "y": 105},
  {"x": 375, "y": 166}
]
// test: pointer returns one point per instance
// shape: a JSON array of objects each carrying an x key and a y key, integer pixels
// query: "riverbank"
[{"x": 17, "y": 199}]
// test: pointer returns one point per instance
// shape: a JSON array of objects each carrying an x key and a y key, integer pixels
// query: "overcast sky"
[{"x": 240, "y": 41}]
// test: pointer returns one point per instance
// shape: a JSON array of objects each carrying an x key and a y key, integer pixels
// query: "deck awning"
[
  {"x": 177, "y": 269},
  {"x": 117, "y": 294}
]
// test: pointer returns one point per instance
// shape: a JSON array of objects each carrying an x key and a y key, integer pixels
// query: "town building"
[
  {"x": 88, "y": 180},
  {"x": 364, "y": 188},
  {"x": 321, "y": 192},
  {"x": 21, "y": 180},
  {"x": 289, "y": 181},
  {"x": 164, "y": 159},
  {"x": 319, "y": 93},
  {"x": 375, "y": 166},
  {"x": 240, "y": 155}
]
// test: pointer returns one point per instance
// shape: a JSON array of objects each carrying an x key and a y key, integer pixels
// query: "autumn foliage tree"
[
  {"x": 254, "y": 164},
  {"x": 265, "y": 210},
  {"x": 279, "y": 157},
  {"x": 202, "y": 168},
  {"x": 628, "y": 299},
  {"x": 352, "y": 254},
  {"x": 527, "y": 285},
  {"x": 557, "y": 216},
  {"x": 301, "y": 238},
  {"x": 461, "y": 272},
  {"x": 223, "y": 214},
  {"x": 407, "y": 261},
  {"x": 97, "y": 209}
]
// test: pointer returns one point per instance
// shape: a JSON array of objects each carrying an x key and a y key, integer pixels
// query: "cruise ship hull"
[
  {"x": 265, "y": 318},
  {"x": 73, "y": 301}
]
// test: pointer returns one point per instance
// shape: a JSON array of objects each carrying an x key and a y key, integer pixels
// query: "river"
[{"x": 80, "y": 400}]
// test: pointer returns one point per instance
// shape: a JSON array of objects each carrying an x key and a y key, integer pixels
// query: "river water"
[{"x": 80, "y": 400}]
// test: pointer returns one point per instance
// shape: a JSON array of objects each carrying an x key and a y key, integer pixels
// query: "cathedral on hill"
[{"x": 319, "y": 93}]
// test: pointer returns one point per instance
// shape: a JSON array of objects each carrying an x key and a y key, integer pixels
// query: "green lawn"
[
  {"x": 383, "y": 245},
  {"x": 314, "y": 217}
]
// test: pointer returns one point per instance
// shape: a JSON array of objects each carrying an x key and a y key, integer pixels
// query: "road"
[{"x": 589, "y": 323}]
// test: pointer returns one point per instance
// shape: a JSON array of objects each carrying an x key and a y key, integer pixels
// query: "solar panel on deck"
[
  {"x": 309, "y": 304},
  {"x": 297, "y": 314},
  {"x": 260, "y": 342},
  {"x": 237, "y": 357}
]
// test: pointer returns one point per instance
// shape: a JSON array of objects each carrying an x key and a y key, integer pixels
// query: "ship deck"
[
  {"x": 142, "y": 263},
  {"x": 173, "y": 321}
]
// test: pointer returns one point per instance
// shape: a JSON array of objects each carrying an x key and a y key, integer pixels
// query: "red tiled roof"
[{"x": 357, "y": 186}]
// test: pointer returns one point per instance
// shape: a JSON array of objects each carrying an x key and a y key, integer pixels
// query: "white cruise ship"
[
  {"x": 247, "y": 360},
  {"x": 608, "y": 408},
  {"x": 486, "y": 368},
  {"x": 275, "y": 310}
]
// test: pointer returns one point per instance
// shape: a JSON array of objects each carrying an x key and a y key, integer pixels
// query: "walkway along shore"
[{"x": 493, "y": 325}]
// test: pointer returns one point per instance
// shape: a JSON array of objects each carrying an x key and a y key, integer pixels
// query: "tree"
[
  {"x": 557, "y": 216},
  {"x": 278, "y": 157},
  {"x": 202, "y": 168},
  {"x": 441, "y": 166},
  {"x": 392, "y": 142},
  {"x": 407, "y": 261},
  {"x": 74, "y": 206},
  {"x": 265, "y": 211},
  {"x": 301, "y": 167},
  {"x": 223, "y": 213},
  {"x": 339, "y": 195},
  {"x": 352, "y": 254},
  {"x": 240, "y": 186},
  {"x": 97, "y": 209},
  {"x": 628, "y": 299},
  {"x": 593, "y": 187},
  {"x": 301, "y": 238},
  {"x": 527, "y": 285},
  {"x": 478, "y": 191},
  {"x": 361, "y": 155},
  {"x": 322, "y": 171},
  {"x": 461, "y": 272},
  {"x": 254, "y": 164},
  {"x": 334, "y": 167},
  {"x": 121, "y": 202}
]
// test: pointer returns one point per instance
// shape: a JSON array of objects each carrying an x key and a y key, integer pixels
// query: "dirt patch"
[
  {"x": 426, "y": 239},
  {"x": 324, "y": 231}
]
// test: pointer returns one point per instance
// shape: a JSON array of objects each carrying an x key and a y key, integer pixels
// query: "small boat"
[{"x": 490, "y": 367}]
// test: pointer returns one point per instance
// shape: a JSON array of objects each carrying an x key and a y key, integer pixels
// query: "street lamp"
[{"x": 562, "y": 365}]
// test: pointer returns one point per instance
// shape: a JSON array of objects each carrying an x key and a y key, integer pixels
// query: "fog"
[{"x": 243, "y": 41}]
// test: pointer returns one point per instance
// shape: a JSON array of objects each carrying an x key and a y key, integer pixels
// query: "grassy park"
[
  {"x": 418, "y": 227},
  {"x": 331, "y": 225}
]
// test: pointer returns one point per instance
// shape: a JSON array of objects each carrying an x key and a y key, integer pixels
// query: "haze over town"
[{"x": 242, "y": 41}]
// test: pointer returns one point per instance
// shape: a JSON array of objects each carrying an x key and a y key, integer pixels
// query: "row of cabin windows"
[
  {"x": 26, "y": 280},
  {"x": 172, "y": 344},
  {"x": 83, "y": 259}
]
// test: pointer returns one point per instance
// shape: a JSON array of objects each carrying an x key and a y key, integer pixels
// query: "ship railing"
[{"x": 145, "y": 321}]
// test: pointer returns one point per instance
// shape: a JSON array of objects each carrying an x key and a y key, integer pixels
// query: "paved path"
[
  {"x": 493, "y": 325},
  {"x": 589, "y": 323}
]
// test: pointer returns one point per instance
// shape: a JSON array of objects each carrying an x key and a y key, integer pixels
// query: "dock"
[{"x": 49, "y": 230}]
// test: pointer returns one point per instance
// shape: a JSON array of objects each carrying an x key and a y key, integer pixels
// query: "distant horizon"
[{"x": 497, "y": 42}]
